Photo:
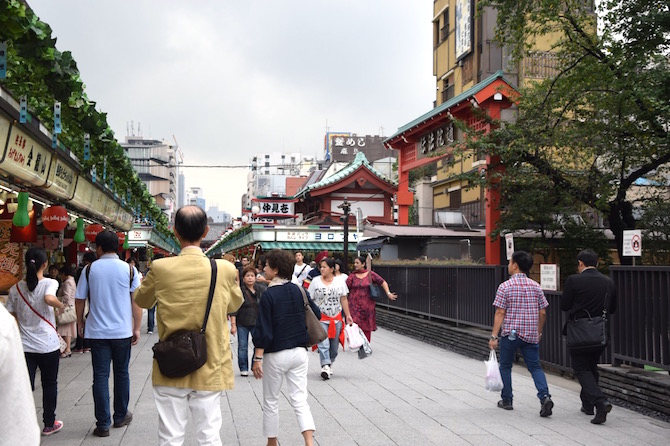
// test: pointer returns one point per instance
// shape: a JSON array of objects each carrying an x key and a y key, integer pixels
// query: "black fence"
[{"x": 464, "y": 295}]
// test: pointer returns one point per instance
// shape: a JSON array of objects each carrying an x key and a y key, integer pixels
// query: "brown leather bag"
[
  {"x": 186, "y": 351},
  {"x": 315, "y": 330}
]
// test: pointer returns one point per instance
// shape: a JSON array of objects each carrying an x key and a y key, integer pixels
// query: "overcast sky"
[{"x": 232, "y": 78}]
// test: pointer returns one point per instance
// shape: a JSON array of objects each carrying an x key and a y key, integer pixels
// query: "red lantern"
[
  {"x": 122, "y": 237},
  {"x": 55, "y": 218},
  {"x": 92, "y": 231}
]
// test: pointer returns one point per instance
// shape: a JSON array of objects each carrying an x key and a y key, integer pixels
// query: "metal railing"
[
  {"x": 464, "y": 295},
  {"x": 641, "y": 324}
]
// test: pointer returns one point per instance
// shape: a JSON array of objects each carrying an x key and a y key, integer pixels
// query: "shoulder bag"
[
  {"x": 376, "y": 292},
  {"x": 63, "y": 344},
  {"x": 186, "y": 351},
  {"x": 315, "y": 330},
  {"x": 588, "y": 333}
]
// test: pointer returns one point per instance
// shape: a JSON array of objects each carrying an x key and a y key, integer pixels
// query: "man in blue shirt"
[{"x": 112, "y": 325}]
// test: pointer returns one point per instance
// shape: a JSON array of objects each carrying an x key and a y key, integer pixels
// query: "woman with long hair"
[
  {"x": 361, "y": 304},
  {"x": 330, "y": 294},
  {"x": 280, "y": 337},
  {"x": 66, "y": 296},
  {"x": 32, "y": 302},
  {"x": 243, "y": 321}
]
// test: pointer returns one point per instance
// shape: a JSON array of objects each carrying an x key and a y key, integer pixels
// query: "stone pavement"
[{"x": 406, "y": 393}]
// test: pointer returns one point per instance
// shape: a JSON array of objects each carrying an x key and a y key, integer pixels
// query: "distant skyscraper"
[{"x": 154, "y": 162}]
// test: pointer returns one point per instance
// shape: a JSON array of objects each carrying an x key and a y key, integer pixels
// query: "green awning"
[{"x": 307, "y": 246}]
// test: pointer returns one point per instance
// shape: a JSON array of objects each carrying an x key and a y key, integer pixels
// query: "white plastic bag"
[
  {"x": 493, "y": 379},
  {"x": 366, "y": 349},
  {"x": 353, "y": 336}
]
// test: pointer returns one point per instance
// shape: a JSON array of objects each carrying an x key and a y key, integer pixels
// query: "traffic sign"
[{"x": 632, "y": 243}]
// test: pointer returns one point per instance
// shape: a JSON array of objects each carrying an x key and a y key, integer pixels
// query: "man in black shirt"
[{"x": 592, "y": 291}]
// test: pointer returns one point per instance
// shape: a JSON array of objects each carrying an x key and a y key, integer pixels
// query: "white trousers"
[
  {"x": 173, "y": 405},
  {"x": 290, "y": 364}
]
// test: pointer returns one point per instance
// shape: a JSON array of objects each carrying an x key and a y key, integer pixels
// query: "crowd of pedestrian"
[{"x": 262, "y": 306}]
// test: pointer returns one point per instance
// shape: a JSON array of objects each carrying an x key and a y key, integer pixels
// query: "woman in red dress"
[{"x": 361, "y": 305}]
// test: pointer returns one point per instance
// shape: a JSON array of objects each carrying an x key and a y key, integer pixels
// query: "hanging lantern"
[
  {"x": 125, "y": 242},
  {"x": 92, "y": 231},
  {"x": 25, "y": 234},
  {"x": 21, "y": 218},
  {"x": 122, "y": 237},
  {"x": 55, "y": 218}
]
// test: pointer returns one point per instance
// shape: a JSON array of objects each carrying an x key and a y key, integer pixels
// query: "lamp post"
[{"x": 346, "y": 207}]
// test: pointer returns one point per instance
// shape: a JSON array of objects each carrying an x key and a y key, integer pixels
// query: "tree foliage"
[{"x": 583, "y": 137}]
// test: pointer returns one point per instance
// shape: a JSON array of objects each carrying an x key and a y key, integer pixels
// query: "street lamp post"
[{"x": 346, "y": 207}]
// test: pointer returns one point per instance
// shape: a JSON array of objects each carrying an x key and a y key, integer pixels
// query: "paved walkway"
[{"x": 406, "y": 393}]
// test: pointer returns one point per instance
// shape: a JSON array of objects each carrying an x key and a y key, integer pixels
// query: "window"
[
  {"x": 267, "y": 164},
  {"x": 444, "y": 31}
]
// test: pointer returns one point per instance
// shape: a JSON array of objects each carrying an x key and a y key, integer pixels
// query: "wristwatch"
[{"x": 493, "y": 338}]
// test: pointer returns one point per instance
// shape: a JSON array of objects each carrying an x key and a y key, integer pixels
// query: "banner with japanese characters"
[{"x": 275, "y": 209}]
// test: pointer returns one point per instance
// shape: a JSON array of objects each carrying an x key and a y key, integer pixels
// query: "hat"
[{"x": 320, "y": 256}]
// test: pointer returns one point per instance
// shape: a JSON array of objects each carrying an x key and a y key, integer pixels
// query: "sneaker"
[
  {"x": 325, "y": 372},
  {"x": 601, "y": 413},
  {"x": 586, "y": 410},
  {"x": 58, "y": 425},
  {"x": 505, "y": 404},
  {"x": 150, "y": 331},
  {"x": 547, "y": 405},
  {"x": 126, "y": 420},
  {"x": 98, "y": 432},
  {"x": 244, "y": 373}
]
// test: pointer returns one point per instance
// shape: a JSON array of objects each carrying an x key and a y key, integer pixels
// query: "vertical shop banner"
[
  {"x": 10, "y": 257},
  {"x": 3, "y": 60}
]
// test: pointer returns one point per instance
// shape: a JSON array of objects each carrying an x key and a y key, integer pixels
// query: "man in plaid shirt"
[{"x": 519, "y": 319}]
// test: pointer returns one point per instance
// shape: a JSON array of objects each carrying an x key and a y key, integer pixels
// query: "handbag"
[
  {"x": 588, "y": 333},
  {"x": 63, "y": 345},
  {"x": 315, "y": 331},
  {"x": 376, "y": 292},
  {"x": 185, "y": 352},
  {"x": 68, "y": 316}
]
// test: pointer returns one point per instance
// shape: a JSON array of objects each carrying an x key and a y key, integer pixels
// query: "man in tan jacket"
[{"x": 179, "y": 286}]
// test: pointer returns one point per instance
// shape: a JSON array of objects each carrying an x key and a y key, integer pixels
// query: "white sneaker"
[
  {"x": 326, "y": 372},
  {"x": 244, "y": 373}
]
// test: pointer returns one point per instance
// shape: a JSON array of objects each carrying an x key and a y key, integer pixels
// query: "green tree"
[{"x": 601, "y": 123}]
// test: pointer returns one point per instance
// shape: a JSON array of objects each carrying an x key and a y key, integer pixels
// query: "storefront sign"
[
  {"x": 275, "y": 209},
  {"x": 309, "y": 236},
  {"x": 26, "y": 159},
  {"x": 83, "y": 193},
  {"x": 4, "y": 129},
  {"x": 62, "y": 179},
  {"x": 124, "y": 220},
  {"x": 10, "y": 257},
  {"x": 437, "y": 139},
  {"x": 139, "y": 235}
]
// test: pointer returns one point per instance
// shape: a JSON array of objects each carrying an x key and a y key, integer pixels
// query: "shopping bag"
[
  {"x": 493, "y": 379},
  {"x": 366, "y": 349},
  {"x": 353, "y": 336}
]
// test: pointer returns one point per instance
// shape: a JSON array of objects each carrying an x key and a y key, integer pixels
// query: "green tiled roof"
[
  {"x": 359, "y": 161},
  {"x": 450, "y": 103}
]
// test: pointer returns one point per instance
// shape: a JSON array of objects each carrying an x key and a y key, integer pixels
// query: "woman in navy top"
[{"x": 280, "y": 340}]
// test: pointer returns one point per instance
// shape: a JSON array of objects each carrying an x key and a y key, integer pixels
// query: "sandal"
[{"x": 66, "y": 354}]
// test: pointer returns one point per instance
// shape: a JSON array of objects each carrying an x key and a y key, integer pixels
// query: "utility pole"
[{"x": 346, "y": 208}]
